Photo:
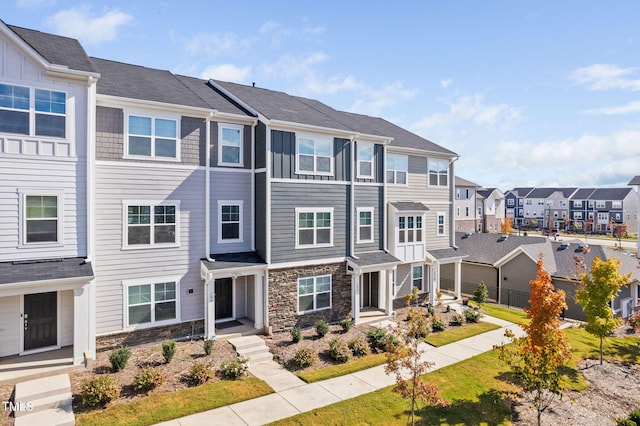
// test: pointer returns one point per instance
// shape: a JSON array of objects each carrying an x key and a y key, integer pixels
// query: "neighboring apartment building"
[
  {"x": 514, "y": 205},
  {"x": 466, "y": 217},
  {"x": 143, "y": 205},
  {"x": 598, "y": 209},
  {"x": 47, "y": 116},
  {"x": 490, "y": 208}
]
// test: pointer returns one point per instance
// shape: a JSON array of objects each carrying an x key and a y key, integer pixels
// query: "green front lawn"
[
  {"x": 351, "y": 366},
  {"x": 166, "y": 406},
  {"x": 511, "y": 315},
  {"x": 453, "y": 334}
]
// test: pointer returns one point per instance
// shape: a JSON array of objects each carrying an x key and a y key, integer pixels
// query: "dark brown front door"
[
  {"x": 40, "y": 320},
  {"x": 369, "y": 290},
  {"x": 224, "y": 298}
]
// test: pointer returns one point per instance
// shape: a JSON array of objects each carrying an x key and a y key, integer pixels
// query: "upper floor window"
[
  {"x": 577, "y": 203},
  {"x": 49, "y": 109},
  {"x": 529, "y": 202},
  {"x": 466, "y": 211},
  {"x": 149, "y": 224},
  {"x": 409, "y": 229},
  {"x": 616, "y": 205},
  {"x": 397, "y": 166},
  {"x": 42, "y": 216},
  {"x": 152, "y": 137},
  {"x": 314, "y": 227},
  {"x": 314, "y": 293},
  {"x": 314, "y": 155},
  {"x": 365, "y": 160},
  {"x": 230, "y": 145},
  {"x": 365, "y": 225},
  {"x": 440, "y": 224},
  {"x": 458, "y": 193},
  {"x": 230, "y": 221},
  {"x": 577, "y": 215},
  {"x": 600, "y": 204},
  {"x": 458, "y": 211},
  {"x": 590, "y": 203},
  {"x": 510, "y": 202},
  {"x": 603, "y": 217},
  {"x": 438, "y": 172}
]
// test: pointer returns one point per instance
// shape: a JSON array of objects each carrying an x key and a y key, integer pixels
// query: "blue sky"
[{"x": 527, "y": 93}]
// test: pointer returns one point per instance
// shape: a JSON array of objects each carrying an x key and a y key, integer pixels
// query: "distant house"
[
  {"x": 514, "y": 205},
  {"x": 466, "y": 211},
  {"x": 491, "y": 210}
]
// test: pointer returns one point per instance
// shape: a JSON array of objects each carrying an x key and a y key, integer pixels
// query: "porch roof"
[
  {"x": 44, "y": 270},
  {"x": 409, "y": 206},
  {"x": 373, "y": 258},
  {"x": 446, "y": 253},
  {"x": 234, "y": 261}
]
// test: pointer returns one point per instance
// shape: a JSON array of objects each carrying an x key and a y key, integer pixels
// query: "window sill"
[
  {"x": 149, "y": 246},
  {"x": 150, "y": 158},
  {"x": 302, "y": 172},
  {"x": 364, "y": 241},
  {"x": 299, "y": 247},
  {"x": 230, "y": 241},
  {"x": 40, "y": 245},
  {"x": 230, "y": 165}
]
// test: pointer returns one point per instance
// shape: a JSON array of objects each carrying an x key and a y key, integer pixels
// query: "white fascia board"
[
  {"x": 424, "y": 152},
  {"x": 347, "y": 134},
  {"x": 14, "y": 289}
]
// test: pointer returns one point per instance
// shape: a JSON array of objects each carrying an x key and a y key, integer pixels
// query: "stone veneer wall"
[
  {"x": 283, "y": 296},
  {"x": 189, "y": 329}
]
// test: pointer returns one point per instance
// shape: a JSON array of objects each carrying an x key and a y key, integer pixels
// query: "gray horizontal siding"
[
  {"x": 231, "y": 186},
  {"x": 285, "y": 197},
  {"x": 283, "y": 158},
  {"x": 117, "y": 183},
  {"x": 369, "y": 196}
]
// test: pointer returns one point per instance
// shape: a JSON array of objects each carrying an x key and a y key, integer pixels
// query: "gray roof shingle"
[
  {"x": 610, "y": 193},
  {"x": 233, "y": 261},
  {"x": 44, "y": 270},
  {"x": 379, "y": 257},
  {"x": 409, "y": 206},
  {"x": 489, "y": 248},
  {"x": 463, "y": 182}
]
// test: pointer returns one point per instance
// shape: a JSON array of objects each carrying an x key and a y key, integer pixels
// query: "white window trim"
[
  {"x": 395, "y": 170},
  {"x": 601, "y": 204},
  {"x": 421, "y": 229},
  {"x": 239, "y": 203},
  {"x": 23, "y": 193},
  {"x": 152, "y": 204},
  {"x": 616, "y": 204},
  {"x": 577, "y": 215},
  {"x": 438, "y": 160},
  {"x": 577, "y": 203},
  {"x": 421, "y": 266},
  {"x": 222, "y": 126},
  {"x": 361, "y": 210},
  {"x": 359, "y": 173},
  {"x": 152, "y": 281},
  {"x": 315, "y": 293},
  {"x": 316, "y": 138},
  {"x": 152, "y": 115},
  {"x": 444, "y": 224},
  {"x": 299, "y": 210}
]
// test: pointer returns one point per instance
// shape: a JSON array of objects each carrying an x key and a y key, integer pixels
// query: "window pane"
[
  {"x": 305, "y": 220},
  {"x": 418, "y": 283},
  {"x": 365, "y": 153},
  {"x": 50, "y": 125},
  {"x": 365, "y": 233},
  {"x": 42, "y": 206},
  {"x": 165, "y": 311},
  {"x": 139, "y": 215},
  {"x": 164, "y": 234},
  {"x": 14, "y": 122},
  {"x": 390, "y": 176},
  {"x": 139, "y": 294},
  {"x": 165, "y": 128},
  {"x": 305, "y": 236},
  {"x": 401, "y": 163},
  {"x": 365, "y": 218},
  {"x": 323, "y": 300},
  {"x": 230, "y": 231},
  {"x": 14, "y": 97},
  {"x": 40, "y": 231},
  {"x": 305, "y": 286},
  {"x": 139, "y": 146},
  {"x": 165, "y": 291},
  {"x": 305, "y": 146},
  {"x": 230, "y": 213},
  {"x": 324, "y": 164},
  {"x": 418, "y": 222},
  {"x": 165, "y": 148},
  {"x": 401, "y": 236},
  {"x": 305, "y": 303},
  {"x": 231, "y": 154},
  {"x": 323, "y": 220},
  {"x": 139, "y": 235},
  {"x": 323, "y": 284},
  {"x": 139, "y": 314},
  {"x": 401, "y": 178},
  {"x": 324, "y": 148},
  {"x": 365, "y": 168},
  {"x": 231, "y": 136},
  {"x": 323, "y": 236},
  {"x": 433, "y": 179},
  {"x": 140, "y": 125},
  {"x": 305, "y": 163}
]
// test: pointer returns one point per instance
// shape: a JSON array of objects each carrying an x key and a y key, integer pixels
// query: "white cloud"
[
  {"x": 214, "y": 44},
  {"x": 268, "y": 27},
  {"x": 227, "y": 72},
  {"x": 446, "y": 83},
  {"x": 606, "y": 77},
  {"x": 293, "y": 66},
  {"x": 30, "y": 4},
  {"x": 374, "y": 101},
  {"x": 629, "y": 108},
  {"x": 91, "y": 29}
]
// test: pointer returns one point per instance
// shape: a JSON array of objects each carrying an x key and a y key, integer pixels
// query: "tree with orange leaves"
[
  {"x": 536, "y": 358},
  {"x": 505, "y": 227}
]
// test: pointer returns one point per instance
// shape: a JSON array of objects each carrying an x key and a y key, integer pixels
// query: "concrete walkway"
[{"x": 293, "y": 396}]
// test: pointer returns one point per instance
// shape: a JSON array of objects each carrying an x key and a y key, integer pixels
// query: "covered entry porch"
[
  {"x": 234, "y": 292},
  {"x": 436, "y": 259},
  {"x": 371, "y": 284}
]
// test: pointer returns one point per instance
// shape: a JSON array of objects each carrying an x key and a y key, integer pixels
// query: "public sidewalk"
[{"x": 293, "y": 396}]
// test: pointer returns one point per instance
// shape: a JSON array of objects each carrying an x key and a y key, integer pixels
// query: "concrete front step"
[
  {"x": 253, "y": 348},
  {"x": 51, "y": 417},
  {"x": 44, "y": 401},
  {"x": 246, "y": 342}
]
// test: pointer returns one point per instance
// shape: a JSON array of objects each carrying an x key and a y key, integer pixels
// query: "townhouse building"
[
  {"x": 491, "y": 209},
  {"x": 142, "y": 205},
  {"x": 514, "y": 206},
  {"x": 466, "y": 217},
  {"x": 598, "y": 209}
]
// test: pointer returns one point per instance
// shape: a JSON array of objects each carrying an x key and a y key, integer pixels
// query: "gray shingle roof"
[
  {"x": 489, "y": 248},
  {"x": 56, "y": 49},
  {"x": 374, "y": 258},
  {"x": 212, "y": 98},
  {"x": 582, "y": 193},
  {"x": 521, "y": 192},
  {"x": 610, "y": 193},
  {"x": 409, "y": 206},
  {"x": 446, "y": 253},
  {"x": 463, "y": 182},
  {"x": 44, "y": 270},
  {"x": 233, "y": 261},
  {"x": 635, "y": 181}
]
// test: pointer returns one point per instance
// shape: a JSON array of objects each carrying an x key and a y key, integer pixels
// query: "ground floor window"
[
  {"x": 314, "y": 293},
  {"x": 148, "y": 303},
  {"x": 417, "y": 277}
]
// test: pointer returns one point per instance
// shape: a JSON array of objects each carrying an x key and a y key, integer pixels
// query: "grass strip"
[
  {"x": 454, "y": 334},
  {"x": 512, "y": 315},
  {"x": 349, "y": 367}
]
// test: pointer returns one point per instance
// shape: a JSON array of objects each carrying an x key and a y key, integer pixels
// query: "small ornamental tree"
[
  {"x": 405, "y": 359},
  {"x": 506, "y": 226},
  {"x": 481, "y": 294},
  {"x": 599, "y": 288},
  {"x": 536, "y": 358},
  {"x": 620, "y": 231}
]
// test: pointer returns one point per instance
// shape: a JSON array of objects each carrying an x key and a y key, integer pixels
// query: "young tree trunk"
[{"x": 601, "y": 350}]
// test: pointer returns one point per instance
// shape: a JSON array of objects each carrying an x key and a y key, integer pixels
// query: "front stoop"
[
  {"x": 253, "y": 348},
  {"x": 44, "y": 401}
]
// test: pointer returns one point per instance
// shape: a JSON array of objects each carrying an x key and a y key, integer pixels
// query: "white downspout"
[
  {"x": 452, "y": 195},
  {"x": 207, "y": 188},
  {"x": 91, "y": 158},
  {"x": 253, "y": 186},
  {"x": 267, "y": 225},
  {"x": 352, "y": 216}
]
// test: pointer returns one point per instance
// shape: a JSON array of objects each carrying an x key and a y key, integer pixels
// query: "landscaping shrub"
[
  {"x": 634, "y": 321},
  {"x": 431, "y": 311},
  {"x": 359, "y": 346},
  {"x": 635, "y": 416},
  {"x": 208, "y": 346},
  {"x": 481, "y": 294},
  {"x": 234, "y": 368},
  {"x": 322, "y": 328},
  {"x": 99, "y": 390},
  {"x": 625, "y": 422},
  {"x": 346, "y": 324},
  {"x": 200, "y": 373},
  {"x": 305, "y": 357},
  {"x": 447, "y": 309},
  {"x": 339, "y": 350},
  {"x": 471, "y": 315},
  {"x": 296, "y": 335},
  {"x": 119, "y": 357},
  {"x": 168, "y": 350},
  {"x": 456, "y": 320},
  {"x": 148, "y": 379},
  {"x": 437, "y": 324},
  {"x": 378, "y": 339}
]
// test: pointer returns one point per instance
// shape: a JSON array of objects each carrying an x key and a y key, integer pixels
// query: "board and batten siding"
[
  {"x": 22, "y": 173},
  {"x": 368, "y": 196},
  {"x": 285, "y": 197},
  {"x": 261, "y": 214},
  {"x": 246, "y": 146},
  {"x": 231, "y": 186},
  {"x": 283, "y": 158},
  {"x": 126, "y": 182}
]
